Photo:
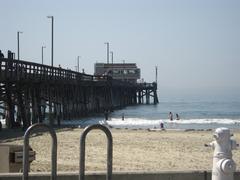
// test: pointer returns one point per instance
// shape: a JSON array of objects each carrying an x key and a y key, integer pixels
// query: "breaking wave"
[{"x": 183, "y": 123}]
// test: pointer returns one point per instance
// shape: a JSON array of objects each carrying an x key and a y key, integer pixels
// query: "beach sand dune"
[{"x": 133, "y": 150}]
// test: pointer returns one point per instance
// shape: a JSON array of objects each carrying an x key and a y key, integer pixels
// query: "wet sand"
[{"x": 133, "y": 150}]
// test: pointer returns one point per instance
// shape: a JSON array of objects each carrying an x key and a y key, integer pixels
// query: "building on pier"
[{"x": 119, "y": 71}]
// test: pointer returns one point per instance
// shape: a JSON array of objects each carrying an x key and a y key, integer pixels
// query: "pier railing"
[
  {"x": 15, "y": 70},
  {"x": 11, "y": 69}
]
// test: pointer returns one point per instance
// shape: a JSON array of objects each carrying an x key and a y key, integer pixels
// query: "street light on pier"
[
  {"x": 78, "y": 67},
  {"x": 42, "y": 52},
  {"x": 156, "y": 74},
  {"x": 107, "y": 43},
  {"x": 18, "y": 46},
  {"x": 123, "y": 72},
  {"x": 111, "y": 52},
  {"x": 52, "y": 18}
]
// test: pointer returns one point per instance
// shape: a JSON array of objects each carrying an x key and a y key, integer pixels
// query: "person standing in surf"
[
  {"x": 177, "y": 116},
  {"x": 170, "y": 115}
]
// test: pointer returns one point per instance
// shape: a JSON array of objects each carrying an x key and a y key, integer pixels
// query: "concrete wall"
[{"x": 163, "y": 175}]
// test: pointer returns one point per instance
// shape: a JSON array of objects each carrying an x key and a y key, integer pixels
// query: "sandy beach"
[{"x": 133, "y": 150}]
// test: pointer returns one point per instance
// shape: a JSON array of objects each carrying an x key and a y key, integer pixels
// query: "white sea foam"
[
  {"x": 137, "y": 122},
  {"x": 146, "y": 123}
]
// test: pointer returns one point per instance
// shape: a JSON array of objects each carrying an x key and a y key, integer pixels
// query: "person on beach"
[
  {"x": 170, "y": 115},
  {"x": 122, "y": 116},
  {"x": 106, "y": 114},
  {"x": 177, "y": 116},
  {"x": 161, "y": 125}
]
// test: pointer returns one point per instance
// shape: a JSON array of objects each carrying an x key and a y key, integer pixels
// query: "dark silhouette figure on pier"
[
  {"x": 1, "y": 55},
  {"x": 10, "y": 54}
]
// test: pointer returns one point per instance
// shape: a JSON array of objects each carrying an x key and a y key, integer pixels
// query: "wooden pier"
[{"x": 31, "y": 92}]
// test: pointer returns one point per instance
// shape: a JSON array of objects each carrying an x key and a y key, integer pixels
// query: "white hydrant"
[{"x": 223, "y": 164}]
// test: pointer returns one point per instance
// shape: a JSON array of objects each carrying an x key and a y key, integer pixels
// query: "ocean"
[{"x": 195, "y": 113}]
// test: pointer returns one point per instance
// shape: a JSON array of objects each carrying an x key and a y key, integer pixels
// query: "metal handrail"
[
  {"x": 26, "y": 150},
  {"x": 109, "y": 150}
]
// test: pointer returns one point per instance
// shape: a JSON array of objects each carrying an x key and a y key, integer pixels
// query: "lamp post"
[
  {"x": 111, "y": 52},
  {"x": 42, "y": 52},
  {"x": 107, "y": 43},
  {"x": 52, "y": 18},
  {"x": 19, "y": 32},
  {"x": 78, "y": 67},
  {"x": 156, "y": 73},
  {"x": 123, "y": 76}
]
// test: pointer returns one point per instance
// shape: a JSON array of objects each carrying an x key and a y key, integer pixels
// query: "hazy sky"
[{"x": 194, "y": 43}]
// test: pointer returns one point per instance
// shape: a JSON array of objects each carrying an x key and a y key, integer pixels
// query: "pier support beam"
[{"x": 10, "y": 107}]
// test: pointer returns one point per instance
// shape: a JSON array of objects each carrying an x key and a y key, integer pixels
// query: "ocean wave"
[{"x": 146, "y": 122}]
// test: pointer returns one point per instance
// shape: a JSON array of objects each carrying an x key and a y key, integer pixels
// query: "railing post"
[
  {"x": 26, "y": 150},
  {"x": 82, "y": 150}
]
